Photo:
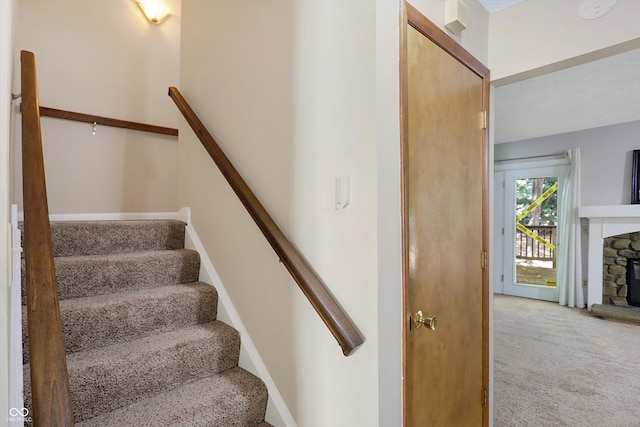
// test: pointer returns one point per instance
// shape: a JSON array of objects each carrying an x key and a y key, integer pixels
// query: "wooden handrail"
[
  {"x": 106, "y": 121},
  {"x": 311, "y": 285},
  {"x": 50, "y": 395}
]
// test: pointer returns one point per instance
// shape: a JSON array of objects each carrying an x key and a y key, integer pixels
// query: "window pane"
[{"x": 536, "y": 230}]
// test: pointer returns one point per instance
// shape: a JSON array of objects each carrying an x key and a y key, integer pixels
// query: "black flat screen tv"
[{"x": 635, "y": 178}]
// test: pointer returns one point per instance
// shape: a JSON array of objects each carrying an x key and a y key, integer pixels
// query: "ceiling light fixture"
[{"x": 155, "y": 10}]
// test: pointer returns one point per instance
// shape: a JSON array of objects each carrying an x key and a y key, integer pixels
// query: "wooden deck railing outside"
[
  {"x": 529, "y": 248},
  {"x": 51, "y": 399},
  {"x": 311, "y": 285}
]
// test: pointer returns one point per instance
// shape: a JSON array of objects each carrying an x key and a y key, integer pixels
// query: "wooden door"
[{"x": 445, "y": 160}]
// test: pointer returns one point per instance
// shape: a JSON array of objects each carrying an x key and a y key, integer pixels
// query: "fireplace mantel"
[
  {"x": 613, "y": 211},
  {"x": 605, "y": 221}
]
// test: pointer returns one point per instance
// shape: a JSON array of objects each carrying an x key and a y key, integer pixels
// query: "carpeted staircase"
[{"x": 143, "y": 344}]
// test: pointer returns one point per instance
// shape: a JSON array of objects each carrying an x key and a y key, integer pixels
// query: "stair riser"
[
  {"x": 85, "y": 276},
  {"x": 89, "y": 326}
]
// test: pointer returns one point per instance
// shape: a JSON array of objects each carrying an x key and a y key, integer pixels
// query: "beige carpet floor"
[{"x": 557, "y": 366}]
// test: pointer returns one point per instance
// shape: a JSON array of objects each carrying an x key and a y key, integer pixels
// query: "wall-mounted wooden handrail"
[
  {"x": 51, "y": 399},
  {"x": 311, "y": 285},
  {"x": 105, "y": 121}
]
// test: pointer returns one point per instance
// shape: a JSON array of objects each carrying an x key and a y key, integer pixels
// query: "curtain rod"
[{"x": 545, "y": 157}]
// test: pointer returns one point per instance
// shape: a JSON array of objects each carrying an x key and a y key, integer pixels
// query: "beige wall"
[
  {"x": 103, "y": 58},
  {"x": 297, "y": 93},
  {"x": 288, "y": 89},
  {"x": 543, "y": 35}
]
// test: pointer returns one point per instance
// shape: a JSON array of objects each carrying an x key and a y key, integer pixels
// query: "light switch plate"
[{"x": 342, "y": 192}]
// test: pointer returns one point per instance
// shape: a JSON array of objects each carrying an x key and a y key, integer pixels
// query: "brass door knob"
[{"x": 421, "y": 320}]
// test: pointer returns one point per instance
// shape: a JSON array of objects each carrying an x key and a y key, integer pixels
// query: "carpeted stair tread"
[
  {"x": 70, "y": 238},
  {"x": 134, "y": 314},
  {"x": 143, "y": 344},
  {"x": 93, "y": 322},
  {"x": 114, "y": 376},
  {"x": 234, "y": 398},
  {"x": 90, "y": 275}
]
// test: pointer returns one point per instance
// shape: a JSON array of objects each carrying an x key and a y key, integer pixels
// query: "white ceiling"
[
  {"x": 496, "y": 5},
  {"x": 598, "y": 93}
]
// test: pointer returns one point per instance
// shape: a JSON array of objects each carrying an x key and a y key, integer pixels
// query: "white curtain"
[{"x": 569, "y": 262}]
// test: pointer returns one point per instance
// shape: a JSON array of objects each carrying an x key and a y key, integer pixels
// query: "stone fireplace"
[
  {"x": 620, "y": 253},
  {"x": 604, "y": 222}
]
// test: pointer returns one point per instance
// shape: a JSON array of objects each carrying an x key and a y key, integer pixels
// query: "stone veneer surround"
[{"x": 616, "y": 251}]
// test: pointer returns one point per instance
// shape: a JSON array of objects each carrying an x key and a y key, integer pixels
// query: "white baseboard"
[
  {"x": 109, "y": 216},
  {"x": 277, "y": 412}
]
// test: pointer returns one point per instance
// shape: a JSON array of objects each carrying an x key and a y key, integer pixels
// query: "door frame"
[
  {"x": 413, "y": 17},
  {"x": 504, "y": 225}
]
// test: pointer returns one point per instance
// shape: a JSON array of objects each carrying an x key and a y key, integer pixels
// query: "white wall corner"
[{"x": 278, "y": 413}]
